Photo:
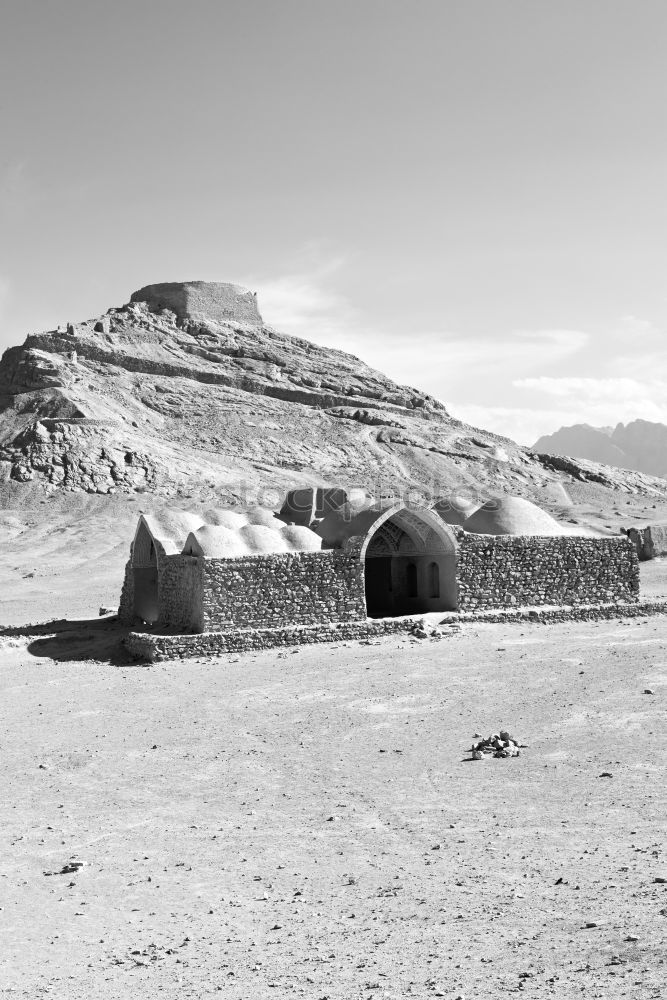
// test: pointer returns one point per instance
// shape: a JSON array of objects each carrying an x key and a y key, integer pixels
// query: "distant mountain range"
[{"x": 639, "y": 445}]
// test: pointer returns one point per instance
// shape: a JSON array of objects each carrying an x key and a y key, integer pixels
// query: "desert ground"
[{"x": 307, "y": 822}]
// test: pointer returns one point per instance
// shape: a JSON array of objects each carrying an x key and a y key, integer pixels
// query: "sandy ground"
[{"x": 306, "y": 823}]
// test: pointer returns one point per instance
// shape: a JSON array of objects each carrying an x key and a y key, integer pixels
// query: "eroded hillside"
[{"x": 185, "y": 393}]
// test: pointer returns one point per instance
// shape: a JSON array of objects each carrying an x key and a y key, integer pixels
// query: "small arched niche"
[
  {"x": 410, "y": 558},
  {"x": 433, "y": 580}
]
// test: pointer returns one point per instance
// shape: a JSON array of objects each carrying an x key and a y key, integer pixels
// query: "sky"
[{"x": 470, "y": 195}]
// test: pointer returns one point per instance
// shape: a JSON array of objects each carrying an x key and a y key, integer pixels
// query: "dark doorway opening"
[
  {"x": 379, "y": 598},
  {"x": 410, "y": 566}
]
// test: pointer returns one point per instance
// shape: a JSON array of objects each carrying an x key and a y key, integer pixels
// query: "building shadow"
[{"x": 96, "y": 639}]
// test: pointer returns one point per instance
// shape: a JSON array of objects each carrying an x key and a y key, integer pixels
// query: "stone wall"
[
  {"x": 497, "y": 571},
  {"x": 216, "y": 300},
  {"x": 180, "y": 590},
  {"x": 293, "y": 591},
  {"x": 299, "y": 588},
  {"x": 155, "y": 647},
  {"x": 126, "y": 605}
]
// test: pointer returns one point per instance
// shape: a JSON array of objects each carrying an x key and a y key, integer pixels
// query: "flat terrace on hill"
[{"x": 324, "y": 566}]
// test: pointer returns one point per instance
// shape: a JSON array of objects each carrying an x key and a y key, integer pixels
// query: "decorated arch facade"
[{"x": 410, "y": 558}]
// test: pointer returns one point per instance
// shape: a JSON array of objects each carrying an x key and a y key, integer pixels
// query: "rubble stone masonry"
[
  {"x": 271, "y": 600},
  {"x": 126, "y": 606},
  {"x": 152, "y": 646},
  {"x": 181, "y": 593},
  {"x": 500, "y": 571},
  {"x": 300, "y": 588}
]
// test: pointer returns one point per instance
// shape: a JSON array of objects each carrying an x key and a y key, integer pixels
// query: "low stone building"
[
  {"x": 227, "y": 573},
  {"x": 650, "y": 542}
]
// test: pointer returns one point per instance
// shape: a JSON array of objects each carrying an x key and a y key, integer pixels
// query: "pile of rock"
[
  {"x": 424, "y": 631},
  {"x": 497, "y": 745}
]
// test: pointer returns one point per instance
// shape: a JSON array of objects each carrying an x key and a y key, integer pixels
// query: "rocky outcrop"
[
  {"x": 77, "y": 455},
  {"x": 583, "y": 471},
  {"x": 370, "y": 417},
  {"x": 26, "y": 370}
]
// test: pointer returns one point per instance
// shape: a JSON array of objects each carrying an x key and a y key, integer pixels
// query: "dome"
[
  {"x": 260, "y": 515},
  {"x": 237, "y": 538},
  {"x": 225, "y": 518},
  {"x": 215, "y": 542},
  {"x": 170, "y": 527},
  {"x": 260, "y": 539},
  {"x": 455, "y": 509},
  {"x": 512, "y": 516},
  {"x": 300, "y": 539}
]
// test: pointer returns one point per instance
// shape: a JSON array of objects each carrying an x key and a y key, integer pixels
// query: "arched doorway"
[
  {"x": 409, "y": 558},
  {"x": 144, "y": 567}
]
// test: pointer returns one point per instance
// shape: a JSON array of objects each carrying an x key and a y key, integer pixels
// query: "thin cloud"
[
  {"x": 617, "y": 389},
  {"x": 307, "y": 304},
  {"x": 599, "y": 402},
  {"x": 299, "y": 305},
  {"x": 458, "y": 369},
  {"x": 522, "y": 350}
]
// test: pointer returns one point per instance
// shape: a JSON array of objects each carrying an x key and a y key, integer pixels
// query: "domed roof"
[
  {"x": 260, "y": 515},
  {"x": 225, "y": 518},
  {"x": 259, "y": 539},
  {"x": 221, "y": 542},
  {"x": 215, "y": 542},
  {"x": 456, "y": 509},
  {"x": 512, "y": 516},
  {"x": 300, "y": 539},
  {"x": 170, "y": 527}
]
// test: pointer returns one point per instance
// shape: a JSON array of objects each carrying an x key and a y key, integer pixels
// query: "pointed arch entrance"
[
  {"x": 410, "y": 557},
  {"x": 144, "y": 568}
]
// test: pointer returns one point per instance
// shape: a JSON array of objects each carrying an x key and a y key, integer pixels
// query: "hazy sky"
[{"x": 469, "y": 194}]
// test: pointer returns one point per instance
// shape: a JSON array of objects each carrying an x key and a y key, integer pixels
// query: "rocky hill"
[
  {"x": 186, "y": 394},
  {"x": 639, "y": 445}
]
